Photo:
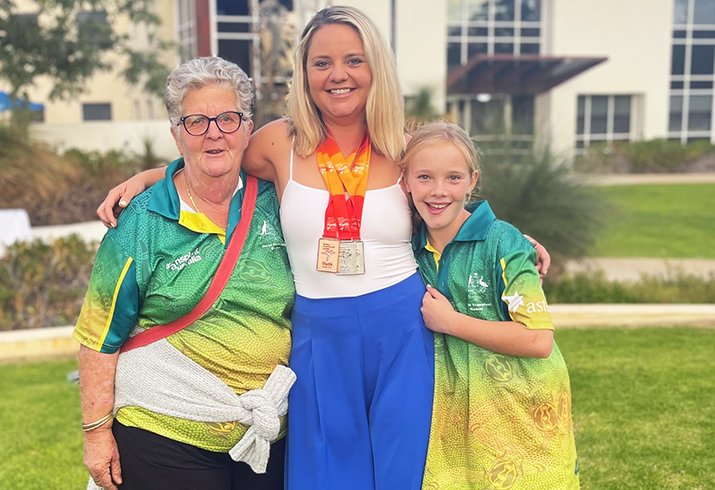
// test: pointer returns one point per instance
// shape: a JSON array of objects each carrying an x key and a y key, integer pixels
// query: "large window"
[
  {"x": 186, "y": 29},
  {"x": 492, "y": 27},
  {"x": 236, "y": 33},
  {"x": 692, "y": 71},
  {"x": 603, "y": 119},
  {"x": 489, "y": 117}
]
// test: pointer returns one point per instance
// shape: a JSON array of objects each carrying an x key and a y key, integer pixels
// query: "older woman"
[
  {"x": 361, "y": 407},
  {"x": 167, "y": 414}
]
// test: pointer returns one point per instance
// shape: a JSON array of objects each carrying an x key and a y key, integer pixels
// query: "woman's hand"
[
  {"x": 101, "y": 457},
  {"x": 543, "y": 259},
  {"x": 96, "y": 386},
  {"x": 436, "y": 310},
  {"x": 118, "y": 198}
]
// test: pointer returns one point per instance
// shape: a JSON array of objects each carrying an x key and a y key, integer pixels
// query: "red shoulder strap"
[{"x": 224, "y": 271}]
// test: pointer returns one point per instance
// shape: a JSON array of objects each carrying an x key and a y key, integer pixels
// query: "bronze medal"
[{"x": 328, "y": 254}]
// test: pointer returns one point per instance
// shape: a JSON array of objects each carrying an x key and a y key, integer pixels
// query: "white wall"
[
  {"x": 102, "y": 136},
  {"x": 635, "y": 35},
  {"x": 422, "y": 47}
]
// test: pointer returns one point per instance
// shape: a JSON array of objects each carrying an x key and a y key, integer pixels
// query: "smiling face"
[
  {"x": 214, "y": 153},
  {"x": 440, "y": 180},
  {"x": 338, "y": 75}
]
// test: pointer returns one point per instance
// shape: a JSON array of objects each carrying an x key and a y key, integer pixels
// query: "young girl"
[{"x": 502, "y": 401}]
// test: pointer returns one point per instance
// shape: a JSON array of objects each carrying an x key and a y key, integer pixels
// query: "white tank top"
[{"x": 386, "y": 231}]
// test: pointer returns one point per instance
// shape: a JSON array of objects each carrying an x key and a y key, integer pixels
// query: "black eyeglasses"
[{"x": 226, "y": 122}]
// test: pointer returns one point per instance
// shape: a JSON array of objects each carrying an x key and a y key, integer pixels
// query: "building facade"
[
  {"x": 570, "y": 73},
  {"x": 110, "y": 114},
  {"x": 575, "y": 73}
]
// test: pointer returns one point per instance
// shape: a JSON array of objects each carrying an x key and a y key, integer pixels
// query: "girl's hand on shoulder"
[{"x": 436, "y": 310}]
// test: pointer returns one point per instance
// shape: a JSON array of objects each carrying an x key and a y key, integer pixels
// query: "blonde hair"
[
  {"x": 385, "y": 106},
  {"x": 439, "y": 133}
]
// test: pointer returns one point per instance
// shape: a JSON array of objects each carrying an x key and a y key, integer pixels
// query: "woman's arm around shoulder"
[
  {"x": 268, "y": 151},
  {"x": 118, "y": 198},
  {"x": 543, "y": 258}
]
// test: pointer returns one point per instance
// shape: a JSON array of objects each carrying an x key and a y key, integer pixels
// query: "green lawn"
[
  {"x": 40, "y": 428},
  {"x": 674, "y": 221},
  {"x": 643, "y": 405}
]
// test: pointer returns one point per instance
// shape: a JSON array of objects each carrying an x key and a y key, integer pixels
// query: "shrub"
[
  {"x": 43, "y": 285},
  {"x": 34, "y": 177},
  {"x": 593, "y": 287},
  {"x": 652, "y": 156},
  {"x": 419, "y": 109}
]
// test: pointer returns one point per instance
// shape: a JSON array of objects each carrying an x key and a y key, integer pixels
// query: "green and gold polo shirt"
[
  {"x": 499, "y": 422},
  {"x": 158, "y": 263}
]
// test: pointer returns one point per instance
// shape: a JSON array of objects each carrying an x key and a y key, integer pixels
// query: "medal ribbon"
[{"x": 347, "y": 185}]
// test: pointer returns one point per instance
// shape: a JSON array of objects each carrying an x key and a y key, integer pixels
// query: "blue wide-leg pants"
[{"x": 360, "y": 410}]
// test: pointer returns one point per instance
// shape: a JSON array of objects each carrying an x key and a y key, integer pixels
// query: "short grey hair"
[{"x": 200, "y": 72}]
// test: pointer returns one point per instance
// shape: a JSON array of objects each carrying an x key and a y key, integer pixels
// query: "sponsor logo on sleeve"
[
  {"x": 514, "y": 301},
  {"x": 537, "y": 306}
]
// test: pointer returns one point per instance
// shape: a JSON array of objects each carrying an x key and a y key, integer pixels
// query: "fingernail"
[
  {"x": 123, "y": 204},
  {"x": 112, "y": 225}
]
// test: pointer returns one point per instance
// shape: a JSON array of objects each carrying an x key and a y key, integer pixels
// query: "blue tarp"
[{"x": 7, "y": 103}]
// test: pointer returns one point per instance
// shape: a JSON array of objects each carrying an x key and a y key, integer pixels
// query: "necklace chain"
[{"x": 191, "y": 197}]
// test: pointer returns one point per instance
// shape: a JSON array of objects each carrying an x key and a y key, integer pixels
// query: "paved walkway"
[
  {"x": 632, "y": 315},
  {"x": 639, "y": 179}
]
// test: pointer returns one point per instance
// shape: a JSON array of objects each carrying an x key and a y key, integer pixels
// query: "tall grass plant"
[
  {"x": 59, "y": 188},
  {"x": 535, "y": 190}
]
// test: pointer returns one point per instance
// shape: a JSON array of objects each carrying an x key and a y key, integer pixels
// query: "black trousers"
[{"x": 153, "y": 462}]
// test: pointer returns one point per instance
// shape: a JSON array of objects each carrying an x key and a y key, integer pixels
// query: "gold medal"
[{"x": 328, "y": 253}]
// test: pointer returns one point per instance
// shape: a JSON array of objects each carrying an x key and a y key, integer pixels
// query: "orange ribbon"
[{"x": 347, "y": 184}]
